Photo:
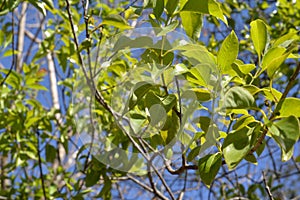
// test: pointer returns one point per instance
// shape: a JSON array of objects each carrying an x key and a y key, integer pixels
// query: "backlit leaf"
[
  {"x": 258, "y": 33},
  {"x": 192, "y": 23},
  {"x": 228, "y": 51}
]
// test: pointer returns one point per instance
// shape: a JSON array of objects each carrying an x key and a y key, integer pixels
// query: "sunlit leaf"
[
  {"x": 258, "y": 32},
  {"x": 228, "y": 51},
  {"x": 205, "y": 6},
  {"x": 290, "y": 106},
  {"x": 192, "y": 23}
]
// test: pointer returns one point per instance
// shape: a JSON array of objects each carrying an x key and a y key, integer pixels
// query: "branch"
[
  {"x": 267, "y": 187},
  {"x": 40, "y": 165},
  {"x": 153, "y": 186},
  {"x": 13, "y": 49},
  {"x": 273, "y": 115},
  {"x": 34, "y": 38},
  {"x": 146, "y": 187},
  {"x": 21, "y": 33}
]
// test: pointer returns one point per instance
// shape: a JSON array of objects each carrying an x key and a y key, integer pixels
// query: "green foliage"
[{"x": 128, "y": 96}]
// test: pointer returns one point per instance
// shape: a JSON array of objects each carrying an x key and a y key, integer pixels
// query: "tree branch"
[
  {"x": 277, "y": 108},
  {"x": 267, "y": 187}
]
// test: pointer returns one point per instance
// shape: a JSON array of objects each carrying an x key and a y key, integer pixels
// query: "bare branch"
[{"x": 267, "y": 187}]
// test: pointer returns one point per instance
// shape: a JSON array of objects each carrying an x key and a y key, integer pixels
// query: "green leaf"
[
  {"x": 193, "y": 153},
  {"x": 259, "y": 35},
  {"x": 196, "y": 6},
  {"x": 205, "y": 6},
  {"x": 171, "y": 6},
  {"x": 169, "y": 28},
  {"x": 106, "y": 189},
  {"x": 228, "y": 51},
  {"x": 286, "y": 39},
  {"x": 151, "y": 99},
  {"x": 50, "y": 153},
  {"x": 86, "y": 43},
  {"x": 201, "y": 73},
  {"x": 170, "y": 128},
  {"x": 275, "y": 62},
  {"x": 246, "y": 68},
  {"x": 14, "y": 79},
  {"x": 209, "y": 166},
  {"x": 290, "y": 106},
  {"x": 243, "y": 121},
  {"x": 92, "y": 177},
  {"x": 158, "y": 8},
  {"x": 126, "y": 42},
  {"x": 238, "y": 98},
  {"x": 271, "y": 94},
  {"x": 139, "y": 90},
  {"x": 192, "y": 23},
  {"x": 39, "y": 5},
  {"x": 261, "y": 148},
  {"x": 236, "y": 146},
  {"x": 286, "y": 133},
  {"x": 271, "y": 57},
  {"x": 49, "y": 3},
  {"x": 116, "y": 21},
  {"x": 202, "y": 94},
  {"x": 169, "y": 102},
  {"x": 192, "y": 51},
  {"x": 251, "y": 158},
  {"x": 215, "y": 10}
]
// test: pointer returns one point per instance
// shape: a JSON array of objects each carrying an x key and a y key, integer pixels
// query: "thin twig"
[
  {"x": 33, "y": 39},
  {"x": 267, "y": 187},
  {"x": 13, "y": 50},
  {"x": 138, "y": 182},
  {"x": 277, "y": 108},
  {"x": 40, "y": 165}
]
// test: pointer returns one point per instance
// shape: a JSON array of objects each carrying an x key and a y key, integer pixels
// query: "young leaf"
[
  {"x": 258, "y": 33},
  {"x": 209, "y": 166},
  {"x": 228, "y": 51}
]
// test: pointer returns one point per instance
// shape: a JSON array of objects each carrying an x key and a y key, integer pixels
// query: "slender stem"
[
  {"x": 40, "y": 165},
  {"x": 273, "y": 115},
  {"x": 267, "y": 187},
  {"x": 13, "y": 49}
]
